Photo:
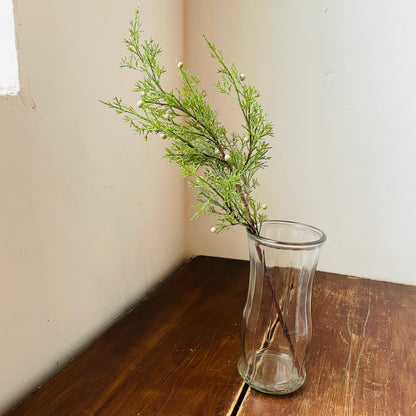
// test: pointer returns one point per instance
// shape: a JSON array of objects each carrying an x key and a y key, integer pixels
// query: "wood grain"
[
  {"x": 174, "y": 354},
  {"x": 362, "y": 359}
]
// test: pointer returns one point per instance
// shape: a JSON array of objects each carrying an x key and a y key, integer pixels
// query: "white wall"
[
  {"x": 338, "y": 80},
  {"x": 83, "y": 225}
]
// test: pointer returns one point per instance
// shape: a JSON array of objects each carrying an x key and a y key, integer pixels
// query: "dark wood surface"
[
  {"x": 362, "y": 359},
  {"x": 176, "y": 353}
]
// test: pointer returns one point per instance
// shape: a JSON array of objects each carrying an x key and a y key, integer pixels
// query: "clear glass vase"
[{"x": 277, "y": 327}]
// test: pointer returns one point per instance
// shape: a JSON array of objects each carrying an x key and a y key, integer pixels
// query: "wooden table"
[{"x": 176, "y": 353}]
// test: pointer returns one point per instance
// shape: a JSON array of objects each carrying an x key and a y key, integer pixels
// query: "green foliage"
[{"x": 221, "y": 166}]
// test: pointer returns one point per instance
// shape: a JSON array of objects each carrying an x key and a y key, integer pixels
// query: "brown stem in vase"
[
  {"x": 278, "y": 309},
  {"x": 253, "y": 229}
]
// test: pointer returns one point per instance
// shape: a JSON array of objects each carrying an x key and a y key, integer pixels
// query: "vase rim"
[{"x": 313, "y": 243}]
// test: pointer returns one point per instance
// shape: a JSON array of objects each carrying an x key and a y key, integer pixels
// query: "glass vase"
[{"x": 277, "y": 327}]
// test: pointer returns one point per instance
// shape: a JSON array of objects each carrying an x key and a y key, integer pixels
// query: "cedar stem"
[{"x": 278, "y": 309}]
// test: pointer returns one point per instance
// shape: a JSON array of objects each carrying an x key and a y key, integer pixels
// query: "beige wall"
[
  {"x": 83, "y": 225},
  {"x": 338, "y": 81}
]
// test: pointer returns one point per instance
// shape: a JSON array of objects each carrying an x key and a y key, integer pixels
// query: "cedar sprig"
[{"x": 220, "y": 165}]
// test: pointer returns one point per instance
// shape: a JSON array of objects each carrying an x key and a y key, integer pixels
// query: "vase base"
[{"x": 273, "y": 374}]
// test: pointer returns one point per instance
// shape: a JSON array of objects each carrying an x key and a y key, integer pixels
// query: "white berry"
[
  {"x": 213, "y": 229},
  {"x": 140, "y": 103},
  {"x": 264, "y": 206},
  {"x": 242, "y": 77},
  {"x": 180, "y": 65},
  {"x": 227, "y": 158}
]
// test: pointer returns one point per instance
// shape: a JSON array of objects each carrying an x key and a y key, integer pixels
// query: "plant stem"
[{"x": 278, "y": 309}]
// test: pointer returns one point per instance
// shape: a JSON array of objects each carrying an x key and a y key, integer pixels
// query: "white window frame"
[{"x": 9, "y": 70}]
